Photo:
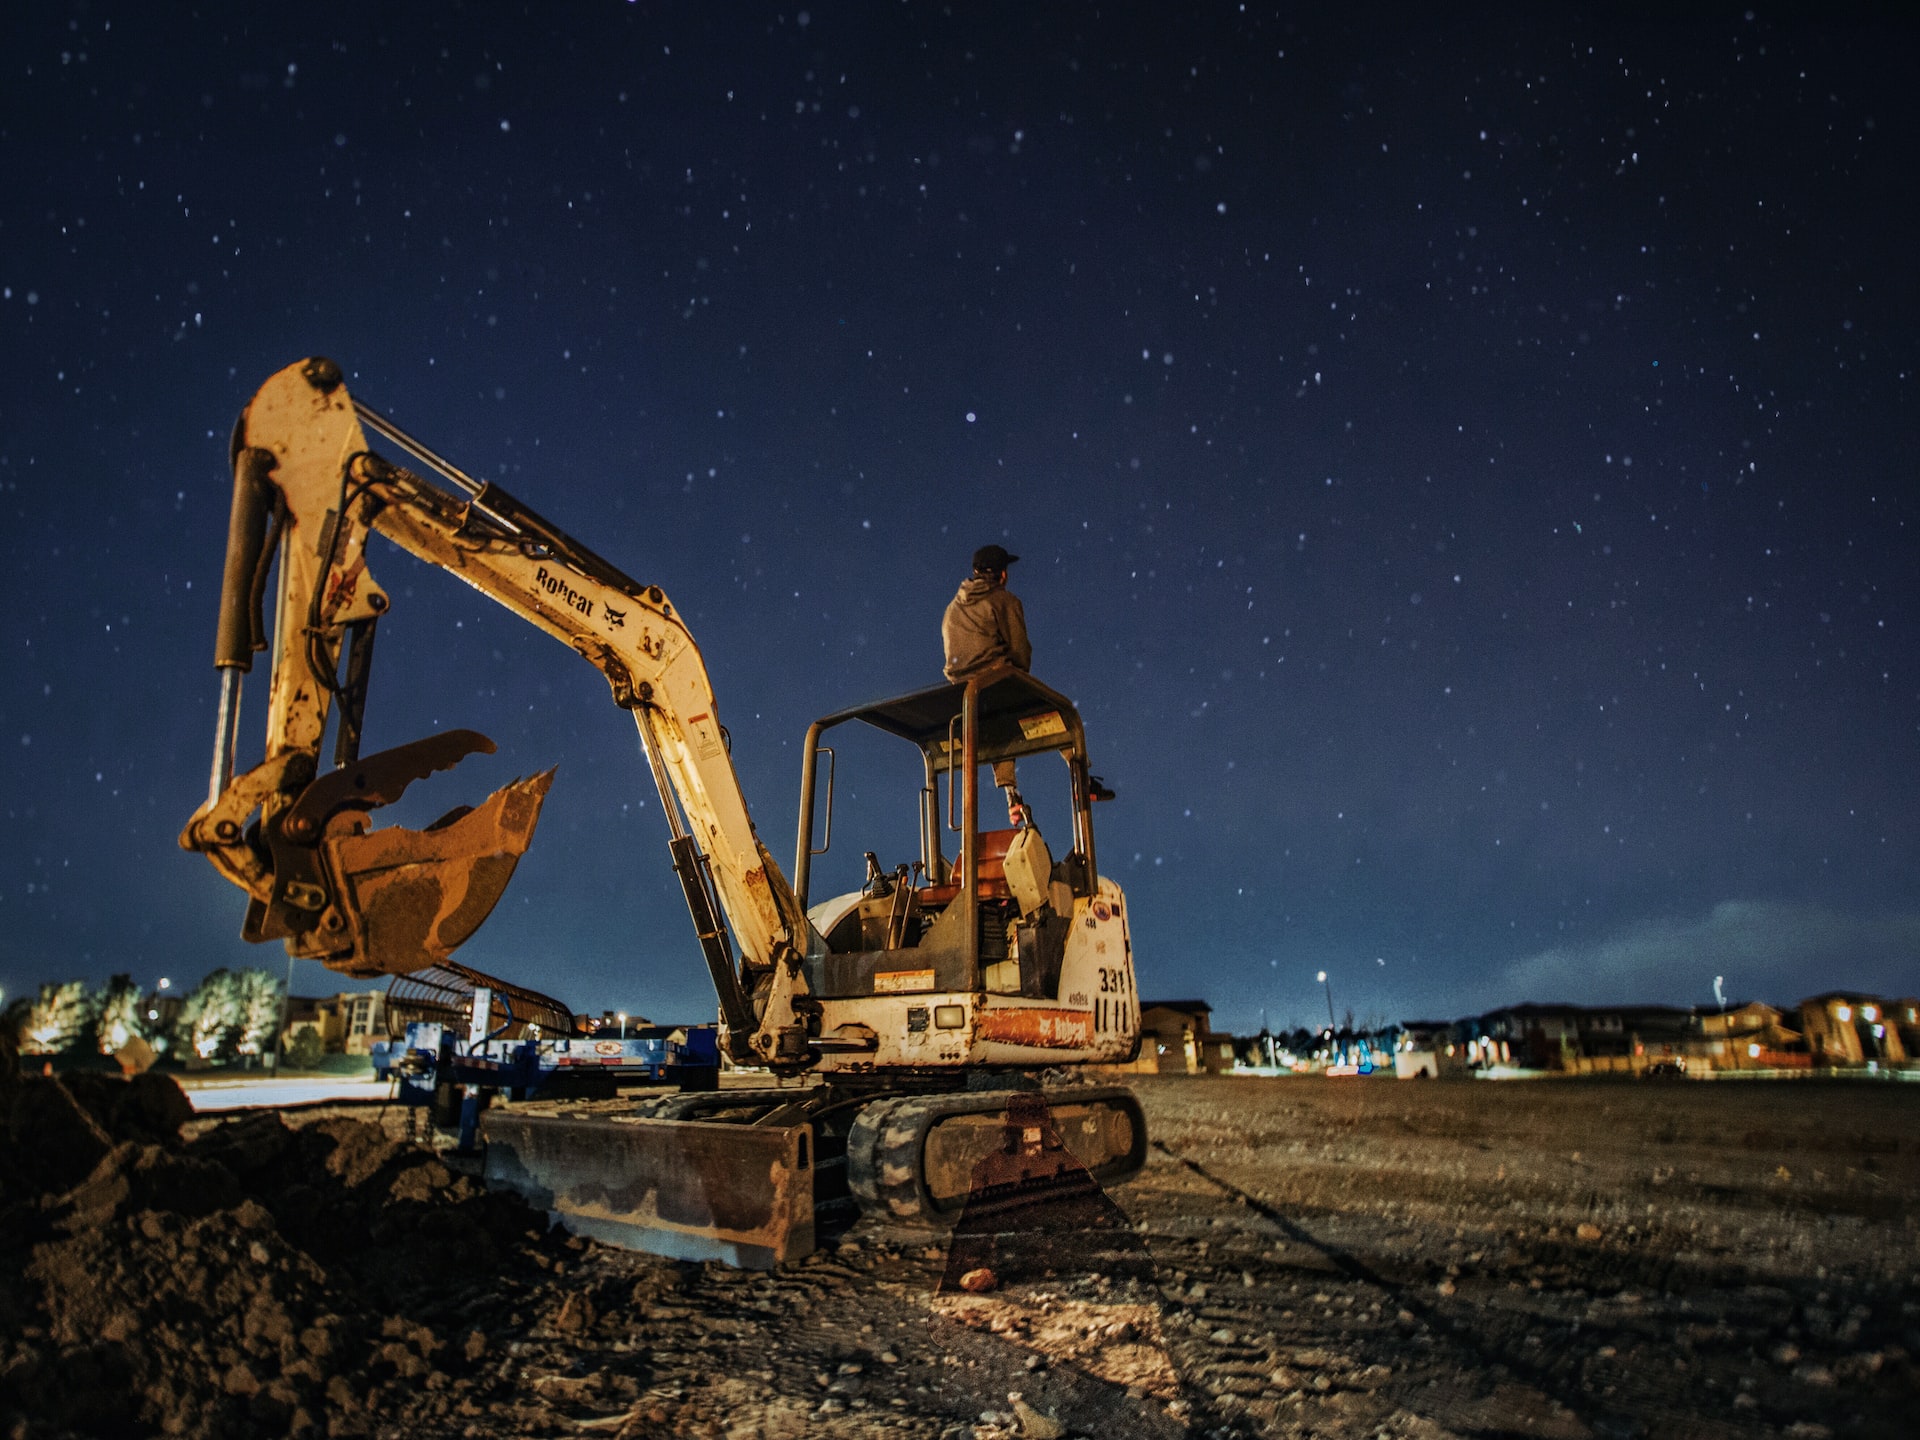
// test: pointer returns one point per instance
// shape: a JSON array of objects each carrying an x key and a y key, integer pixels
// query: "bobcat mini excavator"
[{"x": 915, "y": 1010}]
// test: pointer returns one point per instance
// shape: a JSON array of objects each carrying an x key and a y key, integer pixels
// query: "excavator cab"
[{"x": 982, "y": 907}]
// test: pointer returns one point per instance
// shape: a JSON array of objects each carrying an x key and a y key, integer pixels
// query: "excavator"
[{"x": 887, "y": 1035}]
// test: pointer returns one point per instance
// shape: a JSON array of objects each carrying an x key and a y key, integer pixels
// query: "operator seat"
[{"x": 992, "y": 871}]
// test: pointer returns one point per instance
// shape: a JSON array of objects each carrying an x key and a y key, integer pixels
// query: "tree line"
[{"x": 230, "y": 1014}]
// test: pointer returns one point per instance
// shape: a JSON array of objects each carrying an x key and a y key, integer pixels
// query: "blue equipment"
[{"x": 436, "y": 1067}]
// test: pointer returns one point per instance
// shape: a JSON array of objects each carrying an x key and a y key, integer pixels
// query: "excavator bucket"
[
  {"x": 410, "y": 897},
  {"x": 688, "y": 1189}
]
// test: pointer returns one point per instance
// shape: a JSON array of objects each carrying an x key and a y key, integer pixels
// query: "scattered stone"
[
  {"x": 979, "y": 1281},
  {"x": 1034, "y": 1424},
  {"x": 576, "y": 1315},
  {"x": 1588, "y": 1231}
]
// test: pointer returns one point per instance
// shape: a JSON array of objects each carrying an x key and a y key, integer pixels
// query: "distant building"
[
  {"x": 1837, "y": 1029},
  {"x": 1629, "y": 1039},
  {"x": 348, "y": 1023},
  {"x": 1750, "y": 1036},
  {"x": 1539, "y": 1036},
  {"x": 608, "y": 1022},
  {"x": 303, "y": 1011},
  {"x": 1177, "y": 1038},
  {"x": 1429, "y": 1049},
  {"x": 1849, "y": 1028},
  {"x": 1906, "y": 1019}
]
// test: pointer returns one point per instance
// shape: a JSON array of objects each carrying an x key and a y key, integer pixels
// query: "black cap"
[{"x": 990, "y": 559}]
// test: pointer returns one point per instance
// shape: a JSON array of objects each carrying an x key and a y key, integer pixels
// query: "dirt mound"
[
  {"x": 262, "y": 1279},
  {"x": 58, "y": 1130}
]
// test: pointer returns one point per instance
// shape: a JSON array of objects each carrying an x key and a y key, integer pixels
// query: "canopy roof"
[{"x": 1017, "y": 715}]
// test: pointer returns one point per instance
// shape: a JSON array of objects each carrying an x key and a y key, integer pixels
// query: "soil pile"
[{"x": 258, "y": 1280}]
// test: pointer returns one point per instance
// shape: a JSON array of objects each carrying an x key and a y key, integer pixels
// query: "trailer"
[{"x": 455, "y": 1077}]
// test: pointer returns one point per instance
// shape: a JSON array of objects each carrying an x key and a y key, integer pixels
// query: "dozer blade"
[
  {"x": 410, "y": 897},
  {"x": 687, "y": 1189}
]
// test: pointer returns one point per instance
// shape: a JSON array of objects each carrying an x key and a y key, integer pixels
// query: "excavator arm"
[{"x": 308, "y": 488}]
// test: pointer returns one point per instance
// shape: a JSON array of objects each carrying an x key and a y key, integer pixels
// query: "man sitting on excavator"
[{"x": 985, "y": 625}]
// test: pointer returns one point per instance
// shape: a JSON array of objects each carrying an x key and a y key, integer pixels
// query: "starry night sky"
[{"x": 1463, "y": 470}]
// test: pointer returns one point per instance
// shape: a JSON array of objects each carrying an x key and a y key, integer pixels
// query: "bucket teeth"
[{"x": 411, "y": 897}]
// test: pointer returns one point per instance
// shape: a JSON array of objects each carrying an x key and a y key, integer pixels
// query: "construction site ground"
[{"x": 1304, "y": 1256}]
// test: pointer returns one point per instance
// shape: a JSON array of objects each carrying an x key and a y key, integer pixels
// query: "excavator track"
[
  {"x": 745, "y": 1176},
  {"x": 924, "y": 1159}
]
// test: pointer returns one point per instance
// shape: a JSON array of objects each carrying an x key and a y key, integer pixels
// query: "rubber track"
[{"x": 888, "y": 1139}]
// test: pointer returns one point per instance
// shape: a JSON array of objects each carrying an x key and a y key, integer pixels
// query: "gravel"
[{"x": 1338, "y": 1258}]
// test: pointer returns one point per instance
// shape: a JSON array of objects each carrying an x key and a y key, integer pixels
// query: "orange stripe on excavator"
[{"x": 1042, "y": 1029}]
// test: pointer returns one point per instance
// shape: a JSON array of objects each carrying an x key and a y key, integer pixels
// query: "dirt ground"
[{"x": 1341, "y": 1258}]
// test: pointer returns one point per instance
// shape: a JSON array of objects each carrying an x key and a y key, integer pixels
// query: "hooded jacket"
[{"x": 984, "y": 626}]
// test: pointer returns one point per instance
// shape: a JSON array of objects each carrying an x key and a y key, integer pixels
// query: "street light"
[
  {"x": 623, "y": 1024},
  {"x": 1329, "y": 988},
  {"x": 280, "y": 1024}
]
